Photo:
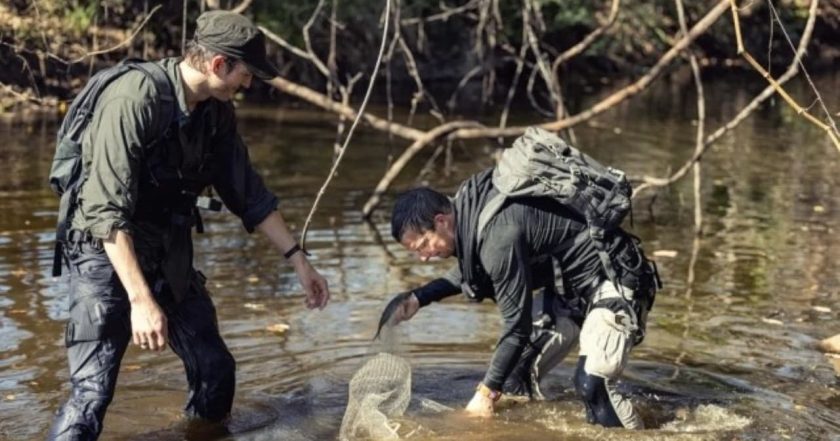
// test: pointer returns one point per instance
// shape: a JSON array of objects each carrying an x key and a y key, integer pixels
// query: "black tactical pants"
[{"x": 98, "y": 332}]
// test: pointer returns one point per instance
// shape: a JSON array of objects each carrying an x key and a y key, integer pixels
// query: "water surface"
[{"x": 728, "y": 356}]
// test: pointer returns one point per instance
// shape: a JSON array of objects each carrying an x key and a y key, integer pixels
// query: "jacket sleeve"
[
  {"x": 506, "y": 262},
  {"x": 439, "y": 289},
  {"x": 237, "y": 183},
  {"x": 119, "y": 129}
]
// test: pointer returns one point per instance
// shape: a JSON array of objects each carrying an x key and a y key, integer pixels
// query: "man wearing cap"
[{"x": 129, "y": 247}]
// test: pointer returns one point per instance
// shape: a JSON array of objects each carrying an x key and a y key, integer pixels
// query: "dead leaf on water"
[
  {"x": 253, "y": 279},
  {"x": 821, "y": 309},
  {"x": 831, "y": 344},
  {"x": 279, "y": 328},
  {"x": 770, "y": 321},
  {"x": 131, "y": 367},
  {"x": 670, "y": 254},
  {"x": 819, "y": 209},
  {"x": 255, "y": 306},
  {"x": 18, "y": 311},
  {"x": 10, "y": 397}
]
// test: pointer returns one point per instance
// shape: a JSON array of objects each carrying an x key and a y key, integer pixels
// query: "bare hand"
[
  {"x": 480, "y": 406},
  {"x": 148, "y": 325},
  {"x": 314, "y": 285},
  {"x": 406, "y": 310}
]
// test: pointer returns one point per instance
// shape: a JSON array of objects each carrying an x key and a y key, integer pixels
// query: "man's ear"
[
  {"x": 441, "y": 220},
  {"x": 218, "y": 66}
]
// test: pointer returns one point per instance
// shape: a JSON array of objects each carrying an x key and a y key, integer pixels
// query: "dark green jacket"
[{"x": 127, "y": 118}]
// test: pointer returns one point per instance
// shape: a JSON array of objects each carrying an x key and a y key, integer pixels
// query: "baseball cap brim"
[{"x": 262, "y": 69}]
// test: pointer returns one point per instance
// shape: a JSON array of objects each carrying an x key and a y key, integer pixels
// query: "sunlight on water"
[{"x": 729, "y": 354}]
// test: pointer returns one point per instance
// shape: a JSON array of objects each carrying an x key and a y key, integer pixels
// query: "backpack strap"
[
  {"x": 81, "y": 117},
  {"x": 488, "y": 211}
]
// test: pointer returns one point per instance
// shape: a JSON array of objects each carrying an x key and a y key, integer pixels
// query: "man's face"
[
  {"x": 439, "y": 242},
  {"x": 224, "y": 81}
]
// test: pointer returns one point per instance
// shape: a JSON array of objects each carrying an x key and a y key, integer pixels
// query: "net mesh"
[{"x": 379, "y": 391}]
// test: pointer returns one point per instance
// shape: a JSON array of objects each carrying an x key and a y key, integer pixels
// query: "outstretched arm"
[
  {"x": 506, "y": 261},
  {"x": 434, "y": 291}
]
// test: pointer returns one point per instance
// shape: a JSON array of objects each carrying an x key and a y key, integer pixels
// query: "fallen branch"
[
  {"x": 407, "y": 155},
  {"x": 326, "y": 103}
]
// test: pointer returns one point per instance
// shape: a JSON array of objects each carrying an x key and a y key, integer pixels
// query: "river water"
[{"x": 729, "y": 352}]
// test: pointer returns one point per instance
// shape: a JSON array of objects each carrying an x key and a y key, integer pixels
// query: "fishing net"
[{"x": 379, "y": 391}]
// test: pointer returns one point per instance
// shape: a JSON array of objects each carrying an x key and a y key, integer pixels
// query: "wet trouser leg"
[
  {"x": 210, "y": 367},
  {"x": 606, "y": 338},
  {"x": 96, "y": 338},
  {"x": 547, "y": 349}
]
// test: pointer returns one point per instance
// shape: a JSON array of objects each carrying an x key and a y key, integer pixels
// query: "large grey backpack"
[{"x": 541, "y": 164}]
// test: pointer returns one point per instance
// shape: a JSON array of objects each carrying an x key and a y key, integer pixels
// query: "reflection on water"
[{"x": 730, "y": 356}]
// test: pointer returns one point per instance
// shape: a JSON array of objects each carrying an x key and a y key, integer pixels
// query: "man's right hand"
[
  {"x": 148, "y": 325},
  {"x": 406, "y": 310}
]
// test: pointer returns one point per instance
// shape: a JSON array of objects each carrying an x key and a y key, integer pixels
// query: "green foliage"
[
  {"x": 79, "y": 15},
  {"x": 560, "y": 14}
]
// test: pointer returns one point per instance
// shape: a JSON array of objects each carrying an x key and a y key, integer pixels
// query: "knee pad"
[{"x": 593, "y": 391}]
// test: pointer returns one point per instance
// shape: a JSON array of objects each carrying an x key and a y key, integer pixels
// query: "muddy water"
[{"x": 729, "y": 355}]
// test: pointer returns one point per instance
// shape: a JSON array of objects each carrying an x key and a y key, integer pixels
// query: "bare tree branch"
[
  {"x": 442, "y": 16},
  {"x": 792, "y": 70},
  {"x": 587, "y": 41},
  {"x": 337, "y": 161},
  {"x": 832, "y": 134},
  {"x": 427, "y": 138},
  {"x": 122, "y": 44},
  {"x": 617, "y": 97}
]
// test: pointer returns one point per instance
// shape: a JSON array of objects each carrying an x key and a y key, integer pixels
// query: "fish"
[{"x": 389, "y": 311}]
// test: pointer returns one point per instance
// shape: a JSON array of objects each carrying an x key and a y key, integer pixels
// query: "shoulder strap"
[{"x": 166, "y": 94}]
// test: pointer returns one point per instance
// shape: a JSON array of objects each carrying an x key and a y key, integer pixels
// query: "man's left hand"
[
  {"x": 314, "y": 285},
  {"x": 480, "y": 406}
]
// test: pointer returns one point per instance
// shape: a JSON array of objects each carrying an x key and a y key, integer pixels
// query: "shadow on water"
[{"x": 729, "y": 352}]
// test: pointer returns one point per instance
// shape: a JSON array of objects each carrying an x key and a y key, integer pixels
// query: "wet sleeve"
[
  {"x": 239, "y": 185},
  {"x": 441, "y": 288},
  {"x": 120, "y": 127},
  {"x": 506, "y": 262}
]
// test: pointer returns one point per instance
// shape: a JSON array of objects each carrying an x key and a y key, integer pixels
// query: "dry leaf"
[
  {"x": 279, "y": 328},
  {"x": 770, "y": 321},
  {"x": 831, "y": 344},
  {"x": 255, "y": 306},
  {"x": 819, "y": 209},
  {"x": 821, "y": 309},
  {"x": 131, "y": 367},
  {"x": 665, "y": 253},
  {"x": 253, "y": 279},
  {"x": 10, "y": 397}
]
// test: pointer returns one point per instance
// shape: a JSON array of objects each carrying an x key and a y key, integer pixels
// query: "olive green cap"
[{"x": 234, "y": 35}]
